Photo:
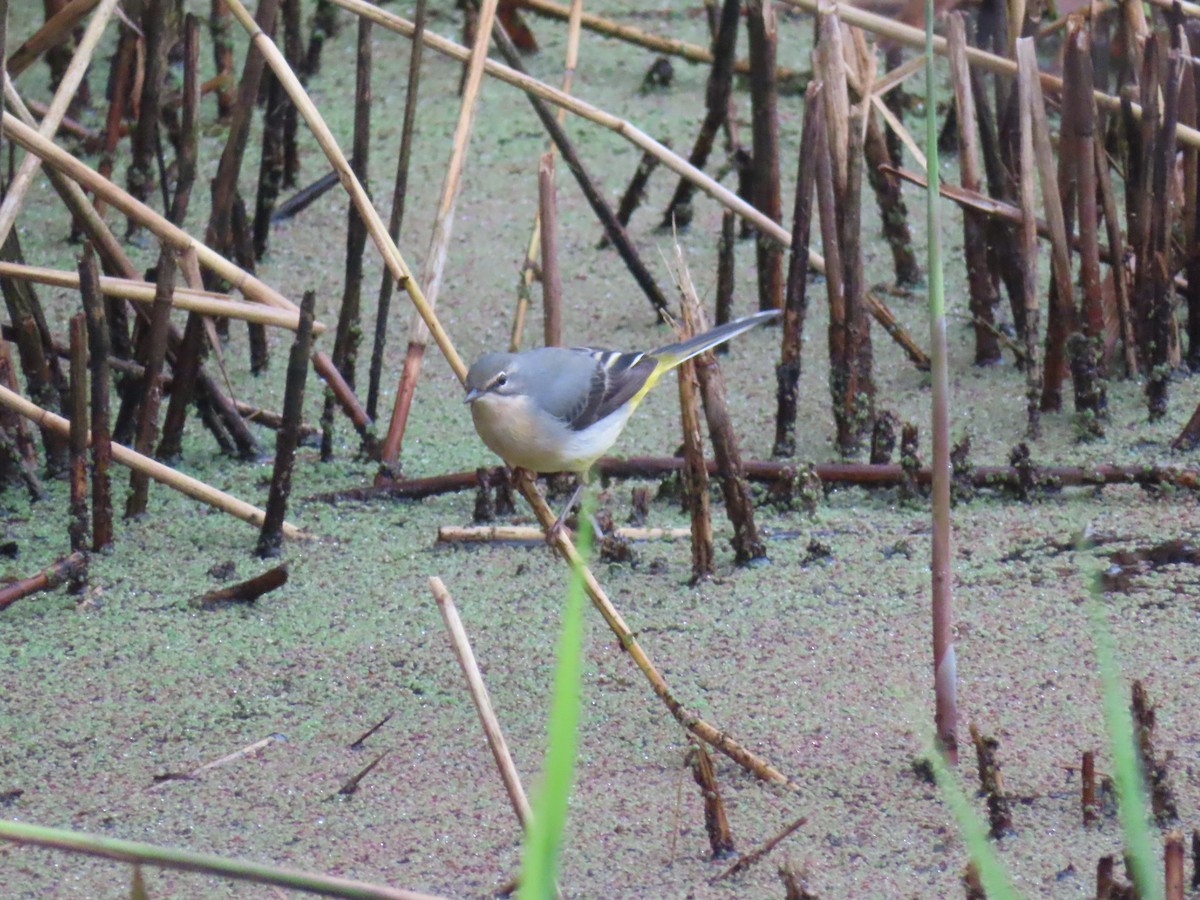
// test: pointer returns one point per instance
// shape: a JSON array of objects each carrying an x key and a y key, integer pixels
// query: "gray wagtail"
[{"x": 555, "y": 409}]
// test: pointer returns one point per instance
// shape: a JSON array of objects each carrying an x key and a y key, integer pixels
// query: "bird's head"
[{"x": 493, "y": 375}]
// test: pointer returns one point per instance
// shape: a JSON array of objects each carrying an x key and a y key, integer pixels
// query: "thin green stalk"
[
  {"x": 992, "y": 874},
  {"x": 944, "y": 668},
  {"x": 543, "y": 837},
  {"x": 1127, "y": 774},
  {"x": 136, "y": 853}
]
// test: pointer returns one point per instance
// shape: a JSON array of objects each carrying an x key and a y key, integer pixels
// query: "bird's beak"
[{"x": 472, "y": 395}]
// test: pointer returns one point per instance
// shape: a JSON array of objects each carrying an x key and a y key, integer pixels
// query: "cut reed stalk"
[
  {"x": 77, "y": 523},
  {"x": 760, "y": 27},
  {"x": 1029, "y": 254},
  {"x": 551, "y": 274},
  {"x": 99, "y": 347}
]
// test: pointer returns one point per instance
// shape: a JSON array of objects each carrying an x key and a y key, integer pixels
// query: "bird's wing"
[{"x": 616, "y": 379}]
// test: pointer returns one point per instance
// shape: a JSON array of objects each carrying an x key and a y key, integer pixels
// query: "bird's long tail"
[{"x": 671, "y": 355}]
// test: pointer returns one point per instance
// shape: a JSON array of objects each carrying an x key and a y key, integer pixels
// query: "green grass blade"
[
  {"x": 992, "y": 874},
  {"x": 543, "y": 839},
  {"x": 1127, "y": 774}
]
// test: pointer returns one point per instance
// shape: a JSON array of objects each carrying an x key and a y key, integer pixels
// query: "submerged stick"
[{"x": 243, "y": 592}]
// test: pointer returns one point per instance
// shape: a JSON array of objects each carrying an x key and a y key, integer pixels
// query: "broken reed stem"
[
  {"x": 992, "y": 783},
  {"x": 483, "y": 702},
  {"x": 20, "y": 183},
  {"x": 270, "y": 537},
  {"x": 49, "y": 578},
  {"x": 185, "y": 484},
  {"x": 439, "y": 240},
  {"x": 714, "y": 737},
  {"x": 77, "y": 523},
  {"x": 349, "y": 326},
  {"x": 551, "y": 275},
  {"x": 694, "y": 475},
  {"x": 396, "y": 217},
  {"x": 207, "y": 303},
  {"x": 635, "y": 193},
  {"x": 739, "y": 505},
  {"x": 795, "y": 298},
  {"x": 99, "y": 347},
  {"x": 979, "y": 279},
  {"x": 1029, "y": 248},
  {"x": 146, "y": 139},
  {"x": 243, "y": 592},
  {"x": 1087, "y": 783},
  {"x": 761, "y": 30},
  {"x": 726, "y": 275},
  {"x": 151, "y": 388},
  {"x": 53, "y": 32},
  {"x": 55, "y": 156},
  {"x": 716, "y": 823},
  {"x": 1173, "y": 864},
  {"x": 219, "y": 232}
]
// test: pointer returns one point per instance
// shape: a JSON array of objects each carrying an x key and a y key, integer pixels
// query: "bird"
[{"x": 559, "y": 409}]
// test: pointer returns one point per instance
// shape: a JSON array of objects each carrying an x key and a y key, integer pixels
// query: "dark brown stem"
[
  {"x": 325, "y": 25},
  {"x": 140, "y": 176},
  {"x": 1173, "y": 865},
  {"x": 270, "y": 538},
  {"x": 77, "y": 525},
  {"x": 694, "y": 475},
  {"x": 220, "y": 26},
  {"x": 246, "y": 591},
  {"x": 399, "y": 195},
  {"x": 271, "y": 163},
  {"x": 749, "y": 859},
  {"x": 716, "y": 823},
  {"x": 725, "y": 272},
  {"x": 551, "y": 277},
  {"x": 99, "y": 349},
  {"x": 1087, "y": 781},
  {"x": 151, "y": 387},
  {"x": 795, "y": 307},
  {"x": 760, "y": 27},
  {"x": 635, "y": 193},
  {"x": 293, "y": 51},
  {"x": 51, "y": 577},
  {"x": 991, "y": 782},
  {"x": 892, "y": 209},
  {"x": 121, "y": 80},
  {"x": 349, "y": 327}
]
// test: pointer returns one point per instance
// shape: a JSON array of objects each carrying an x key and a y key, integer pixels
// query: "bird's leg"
[{"x": 556, "y": 529}]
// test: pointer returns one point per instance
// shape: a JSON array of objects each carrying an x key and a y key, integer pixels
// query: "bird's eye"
[{"x": 501, "y": 380}]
